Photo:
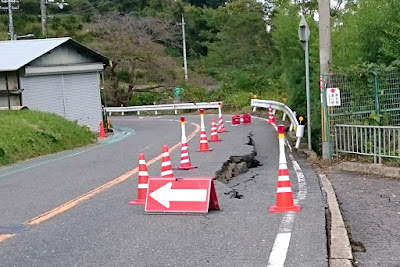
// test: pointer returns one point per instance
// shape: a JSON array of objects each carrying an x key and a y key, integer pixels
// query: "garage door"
[
  {"x": 82, "y": 98},
  {"x": 43, "y": 93},
  {"x": 74, "y": 96}
]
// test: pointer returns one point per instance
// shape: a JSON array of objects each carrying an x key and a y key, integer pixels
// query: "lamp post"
[{"x": 304, "y": 36}]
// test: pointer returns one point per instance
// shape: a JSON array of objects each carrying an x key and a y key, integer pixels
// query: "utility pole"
[
  {"x": 43, "y": 17},
  {"x": 10, "y": 8},
  {"x": 325, "y": 59},
  {"x": 184, "y": 48}
]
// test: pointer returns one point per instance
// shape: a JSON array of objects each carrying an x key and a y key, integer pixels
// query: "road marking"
[
  {"x": 301, "y": 179},
  {"x": 72, "y": 203},
  {"x": 281, "y": 245},
  {"x": 4, "y": 237}
]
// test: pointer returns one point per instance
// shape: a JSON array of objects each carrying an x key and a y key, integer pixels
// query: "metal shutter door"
[
  {"x": 82, "y": 98},
  {"x": 43, "y": 93}
]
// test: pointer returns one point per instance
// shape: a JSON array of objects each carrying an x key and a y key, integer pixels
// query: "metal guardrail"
[
  {"x": 276, "y": 106},
  {"x": 156, "y": 108},
  {"x": 375, "y": 141}
]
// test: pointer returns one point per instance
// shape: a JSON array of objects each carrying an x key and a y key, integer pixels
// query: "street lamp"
[{"x": 304, "y": 36}]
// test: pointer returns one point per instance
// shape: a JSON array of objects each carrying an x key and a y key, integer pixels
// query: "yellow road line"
[
  {"x": 4, "y": 237},
  {"x": 72, "y": 203}
]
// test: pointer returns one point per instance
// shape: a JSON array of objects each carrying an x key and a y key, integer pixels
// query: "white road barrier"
[
  {"x": 276, "y": 106},
  {"x": 175, "y": 107}
]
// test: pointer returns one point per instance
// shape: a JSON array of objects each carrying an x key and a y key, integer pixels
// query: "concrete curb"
[
  {"x": 340, "y": 253},
  {"x": 368, "y": 168}
]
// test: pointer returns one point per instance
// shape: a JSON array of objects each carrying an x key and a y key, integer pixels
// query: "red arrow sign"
[{"x": 181, "y": 195}]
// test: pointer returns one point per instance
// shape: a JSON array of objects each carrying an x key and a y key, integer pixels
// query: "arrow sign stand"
[{"x": 174, "y": 195}]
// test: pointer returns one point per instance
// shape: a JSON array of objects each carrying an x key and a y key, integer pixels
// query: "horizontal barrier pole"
[{"x": 201, "y": 105}]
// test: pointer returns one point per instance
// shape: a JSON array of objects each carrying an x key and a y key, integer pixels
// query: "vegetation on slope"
[{"x": 27, "y": 134}]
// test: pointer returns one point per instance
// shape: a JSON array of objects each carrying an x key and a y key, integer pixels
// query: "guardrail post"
[
  {"x": 176, "y": 111},
  {"x": 254, "y": 109},
  {"x": 379, "y": 145},
  {"x": 374, "y": 145},
  {"x": 109, "y": 113},
  {"x": 284, "y": 116},
  {"x": 155, "y": 112},
  {"x": 138, "y": 113},
  {"x": 336, "y": 145}
]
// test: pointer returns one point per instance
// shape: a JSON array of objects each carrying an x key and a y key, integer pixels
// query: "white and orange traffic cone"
[
  {"x": 185, "y": 159},
  {"x": 102, "y": 133},
  {"x": 284, "y": 196},
  {"x": 166, "y": 167},
  {"x": 271, "y": 118},
  {"x": 203, "y": 136},
  {"x": 221, "y": 128},
  {"x": 214, "y": 134},
  {"x": 142, "y": 183}
]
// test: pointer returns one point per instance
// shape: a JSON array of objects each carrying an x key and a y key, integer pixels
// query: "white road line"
[
  {"x": 279, "y": 250},
  {"x": 301, "y": 179}
]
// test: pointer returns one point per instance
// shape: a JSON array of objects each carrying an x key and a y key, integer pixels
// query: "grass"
[{"x": 28, "y": 134}]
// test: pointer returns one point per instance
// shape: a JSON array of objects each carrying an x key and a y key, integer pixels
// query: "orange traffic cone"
[
  {"x": 102, "y": 132},
  {"x": 142, "y": 183},
  {"x": 221, "y": 128},
  {"x": 284, "y": 197},
  {"x": 271, "y": 118},
  {"x": 214, "y": 134},
  {"x": 203, "y": 136},
  {"x": 185, "y": 159},
  {"x": 166, "y": 168}
]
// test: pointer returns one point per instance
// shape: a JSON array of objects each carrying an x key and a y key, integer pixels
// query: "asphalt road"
[{"x": 100, "y": 229}]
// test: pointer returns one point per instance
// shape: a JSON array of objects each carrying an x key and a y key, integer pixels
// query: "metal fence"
[
  {"x": 375, "y": 141},
  {"x": 367, "y": 99}
]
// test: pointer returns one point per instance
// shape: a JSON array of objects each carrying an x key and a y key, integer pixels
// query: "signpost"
[{"x": 196, "y": 195}]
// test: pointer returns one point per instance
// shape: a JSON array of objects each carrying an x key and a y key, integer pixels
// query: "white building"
[{"x": 56, "y": 75}]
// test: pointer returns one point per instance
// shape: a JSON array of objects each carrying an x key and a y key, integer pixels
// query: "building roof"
[{"x": 16, "y": 54}]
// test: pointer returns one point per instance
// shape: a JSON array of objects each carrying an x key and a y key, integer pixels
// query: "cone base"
[
  {"x": 204, "y": 150},
  {"x": 137, "y": 202},
  {"x": 186, "y": 168},
  {"x": 222, "y": 131},
  {"x": 284, "y": 209},
  {"x": 214, "y": 140}
]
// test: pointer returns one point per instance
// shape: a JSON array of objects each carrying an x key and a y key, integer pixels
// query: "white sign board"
[{"x": 333, "y": 97}]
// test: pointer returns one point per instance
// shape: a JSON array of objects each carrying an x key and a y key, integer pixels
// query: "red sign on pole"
[{"x": 181, "y": 195}]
